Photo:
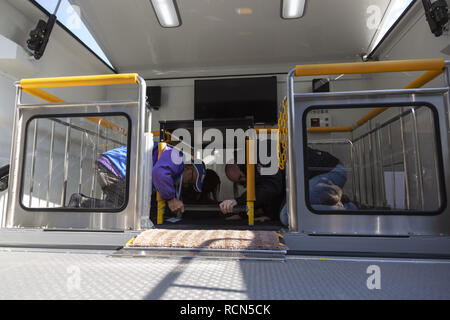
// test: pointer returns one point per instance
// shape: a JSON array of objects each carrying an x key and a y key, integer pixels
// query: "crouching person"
[
  {"x": 269, "y": 192},
  {"x": 326, "y": 178},
  {"x": 169, "y": 175}
]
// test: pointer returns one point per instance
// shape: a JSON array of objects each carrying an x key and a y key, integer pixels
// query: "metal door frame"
[
  {"x": 135, "y": 215},
  {"x": 301, "y": 220},
  {"x": 348, "y": 223}
]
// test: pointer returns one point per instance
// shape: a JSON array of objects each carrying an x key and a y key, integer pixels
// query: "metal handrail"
[
  {"x": 80, "y": 81},
  {"x": 434, "y": 68},
  {"x": 369, "y": 67}
]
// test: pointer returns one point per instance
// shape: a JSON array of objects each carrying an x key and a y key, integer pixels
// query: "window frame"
[
  {"x": 389, "y": 31},
  {"x": 59, "y": 23},
  {"x": 68, "y": 209}
]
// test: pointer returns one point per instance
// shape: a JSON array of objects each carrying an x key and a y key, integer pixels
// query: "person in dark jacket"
[
  {"x": 169, "y": 171},
  {"x": 319, "y": 162},
  {"x": 269, "y": 192},
  {"x": 326, "y": 178}
]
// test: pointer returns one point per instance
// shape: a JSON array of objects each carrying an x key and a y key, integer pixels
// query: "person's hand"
[
  {"x": 227, "y": 206},
  {"x": 175, "y": 205}
]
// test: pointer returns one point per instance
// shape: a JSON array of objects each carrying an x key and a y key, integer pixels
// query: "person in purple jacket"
[
  {"x": 170, "y": 171},
  {"x": 169, "y": 175}
]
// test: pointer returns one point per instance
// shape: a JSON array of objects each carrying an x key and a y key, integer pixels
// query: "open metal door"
[
  {"x": 396, "y": 172},
  {"x": 55, "y": 148}
]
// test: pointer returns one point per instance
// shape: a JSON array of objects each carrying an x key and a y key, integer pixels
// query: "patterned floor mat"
[{"x": 209, "y": 239}]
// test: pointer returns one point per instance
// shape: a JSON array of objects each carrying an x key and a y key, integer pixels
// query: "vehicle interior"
[{"x": 263, "y": 131}]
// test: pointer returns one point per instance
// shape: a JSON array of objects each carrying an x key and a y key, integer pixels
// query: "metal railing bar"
[
  {"x": 50, "y": 163},
  {"x": 392, "y": 165},
  {"x": 384, "y": 124},
  {"x": 419, "y": 168},
  {"x": 33, "y": 162},
  {"x": 94, "y": 153},
  {"x": 366, "y": 184},
  {"x": 352, "y": 161},
  {"x": 372, "y": 167},
  {"x": 328, "y": 141},
  {"x": 83, "y": 130},
  {"x": 436, "y": 164},
  {"x": 405, "y": 167},
  {"x": 66, "y": 164},
  {"x": 81, "y": 161},
  {"x": 381, "y": 171}
]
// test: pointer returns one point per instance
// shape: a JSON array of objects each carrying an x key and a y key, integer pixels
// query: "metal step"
[{"x": 164, "y": 252}]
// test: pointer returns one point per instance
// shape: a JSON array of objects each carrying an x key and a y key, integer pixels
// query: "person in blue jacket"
[{"x": 169, "y": 175}]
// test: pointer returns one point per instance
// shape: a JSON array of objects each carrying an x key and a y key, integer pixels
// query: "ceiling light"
[
  {"x": 244, "y": 11},
  {"x": 167, "y": 13},
  {"x": 292, "y": 9}
]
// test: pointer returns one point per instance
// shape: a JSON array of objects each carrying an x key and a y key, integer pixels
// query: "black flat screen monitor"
[{"x": 237, "y": 98}]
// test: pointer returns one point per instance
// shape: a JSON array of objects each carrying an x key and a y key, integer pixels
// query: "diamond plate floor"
[{"x": 44, "y": 274}]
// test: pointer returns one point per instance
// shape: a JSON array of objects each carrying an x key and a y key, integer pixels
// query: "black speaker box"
[
  {"x": 321, "y": 85},
  {"x": 154, "y": 97}
]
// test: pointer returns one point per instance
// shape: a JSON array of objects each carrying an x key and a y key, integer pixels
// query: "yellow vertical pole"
[
  {"x": 161, "y": 202},
  {"x": 251, "y": 198}
]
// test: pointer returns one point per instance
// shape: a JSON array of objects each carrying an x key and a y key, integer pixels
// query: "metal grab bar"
[
  {"x": 33, "y": 158},
  {"x": 434, "y": 68},
  {"x": 87, "y": 131},
  {"x": 330, "y": 129},
  {"x": 329, "y": 141},
  {"x": 386, "y": 123},
  {"x": 80, "y": 81},
  {"x": 53, "y": 99},
  {"x": 419, "y": 82},
  {"x": 211, "y": 208},
  {"x": 32, "y": 87},
  {"x": 369, "y": 67},
  {"x": 251, "y": 195}
]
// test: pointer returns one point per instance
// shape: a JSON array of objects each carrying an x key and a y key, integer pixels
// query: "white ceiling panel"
[{"x": 214, "y": 35}]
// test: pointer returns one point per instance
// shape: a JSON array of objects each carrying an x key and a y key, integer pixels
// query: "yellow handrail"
[
  {"x": 41, "y": 94},
  {"x": 433, "y": 67},
  {"x": 419, "y": 82},
  {"x": 32, "y": 86},
  {"x": 251, "y": 195},
  {"x": 80, "y": 81},
  {"x": 52, "y": 99},
  {"x": 369, "y": 67},
  {"x": 424, "y": 78}
]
